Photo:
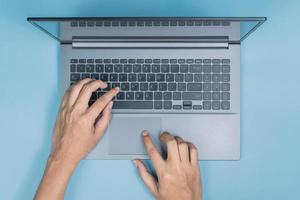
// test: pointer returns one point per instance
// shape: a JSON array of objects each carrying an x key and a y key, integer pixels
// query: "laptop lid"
[{"x": 151, "y": 32}]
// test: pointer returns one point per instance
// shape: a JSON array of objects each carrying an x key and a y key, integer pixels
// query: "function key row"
[{"x": 149, "y": 61}]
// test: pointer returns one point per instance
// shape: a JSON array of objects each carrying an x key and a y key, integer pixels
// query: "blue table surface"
[{"x": 270, "y": 133}]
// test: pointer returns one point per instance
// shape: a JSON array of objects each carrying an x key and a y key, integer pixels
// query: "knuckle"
[
  {"x": 172, "y": 141},
  {"x": 151, "y": 150}
]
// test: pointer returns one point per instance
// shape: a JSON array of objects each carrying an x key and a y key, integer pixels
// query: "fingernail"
[
  {"x": 117, "y": 88},
  {"x": 135, "y": 163},
  {"x": 145, "y": 133}
]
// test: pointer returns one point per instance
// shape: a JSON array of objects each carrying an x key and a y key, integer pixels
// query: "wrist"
[{"x": 58, "y": 158}]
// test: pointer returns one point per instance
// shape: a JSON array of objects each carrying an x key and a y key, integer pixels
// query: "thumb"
[{"x": 147, "y": 178}]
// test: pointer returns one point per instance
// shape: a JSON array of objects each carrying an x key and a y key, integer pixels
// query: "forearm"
[{"x": 56, "y": 177}]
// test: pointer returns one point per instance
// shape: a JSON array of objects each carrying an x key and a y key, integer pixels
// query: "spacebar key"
[{"x": 133, "y": 105}]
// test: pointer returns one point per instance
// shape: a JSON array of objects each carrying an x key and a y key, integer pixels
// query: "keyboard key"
[
  {"x": 207, "y": 61},
  {"x": 206, "y": 77},
  {"x": 85, "y": 75},
  {"x": 198, "y": 61},
  {"x": 184, "y": 68},
  {"x": 167, "y": 105},
  {"x": 121, "y": 96},
  {"x": 181, "y": 86},
  {"x": 124, "y": 86},
  {"x": 206, "y": 96},
  {"x": 122, "y": 77},
  {"x": 95, "y": 76},
  {"x": 181, "y": 61},
  {"x": 153, "y": 86},
  {"x": 140, "y": 61},
  {"x": 187, "y": 103},
  {"x": 165, "y": 68},
  {"x": 176, "y": 95},
  {"x": 206, "y": 69},
  {"x": 225, "y": 87},
  {"x": 172, "y": 87},
  {"x": 206, "y": 86},
  {"x": 98, "y": 60},
  {"x": 197, "y": 77},
  {"x": 133, "y": 105},
  {"x": 160, "y": 77},
  {"x": 139, "y": 96},
  {"x": 137, "y": 68},
  {"x": 167, "y": 96},
  {"x": 109, "y": 68},
  {"x": 157, "y": 104},
  {"x": 132, "y": 77},
  {"x": 99, "y": 68},
  {"x": 206, "y": 105},
  {"x": 179, "y": 77},
  {"x": 107, "y": 60},
  {"x": 90, "y": 60},
  {"x": 118, "y": 68},
  {"x": 82, "y": 60},
  {"x": 216, "y": 96},
  {"x": 195, "y": 68},
  {"x": 155, "y": 68},
  {"x": 124, "y": 61},
  {"x": 226, "y": 68},
  {"x": 150, "y": 77},
  {"x": 165, "y": 61},
  {"x": 174, "y": 68},
  {"x": 148, "y": 95},
  {"x": 190, "y": 61},
  {"x": 169, "y": 77},
  {"x": 216, "y": 78},
  {"x": 113, "y": 85},
  {"x": 157, "y": 95},
  {"x": 74, "y": 60},
  {"x": 215, "y": 105},
  {"x": 146, "y": 68},
  {"x": 188, "y": 77},
  {"x": 73, "y": 68},
  {"x": 128, "y": 68},
  {"x": 225, "y": 61},
  {"x": 129, "y": 95},
  {"x": 216, "y": 61},
  {"x": 163, "y": 87},
  {"x": 194, "y": 86},
  {"x": 177, "y": 107},
  {"x": 156, "y": 60},
  {"x": 134, "y": 86},
  {"x": 113, "y": 77},
  {"x": 225, "y": 77},
  {"x": 81, "y": 68},
  {"x": 197, "y": 107},
  {"x": 74, "y": 77},
  {"x": 141, "y": 77},
  {"x": 216, "y": 87},
  {"x": 225, "y": 105},
  {"x": 192, "y": 96},
  {"x": 104, "y": 77},
  {"x": 173, "y": 61},
  {"x": 143, "y": 86},
  {"x": 148, "y": 60},
  {"x": 115, "y": 61},
  {"x": 216, "y": 68},
  {"x": 225, "y": 96}
]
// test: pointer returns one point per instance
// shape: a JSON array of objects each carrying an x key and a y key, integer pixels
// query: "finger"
[
  {"x": 100, "y": 104},
  {"x": 147, "y": 178},
  {"x": 65, "y": 98},
  {"x": 87, "y": 90},
  {"x": 154, "y": 155},
  {"x": 183, "y": 149},
  {"x": 193, "y": 154},
  {"x": 75, "y": 90},
  {"x": 172, "y": 147},
  {"x": 103, "y": 122}
]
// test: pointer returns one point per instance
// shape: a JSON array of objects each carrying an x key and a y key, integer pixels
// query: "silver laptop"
[{"x": 176, "y": 74}]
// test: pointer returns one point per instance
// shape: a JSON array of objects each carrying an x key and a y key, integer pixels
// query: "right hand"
[{"x": 178, "y": 175}]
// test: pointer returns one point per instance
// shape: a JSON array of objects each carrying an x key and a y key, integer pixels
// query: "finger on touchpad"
[{"x": 125, "y": 134}]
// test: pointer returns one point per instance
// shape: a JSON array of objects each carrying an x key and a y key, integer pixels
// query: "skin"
[{"x": 79, "y": 127}]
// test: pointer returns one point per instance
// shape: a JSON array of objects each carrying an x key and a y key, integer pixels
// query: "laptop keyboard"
[{"x": 160, "y": 84}]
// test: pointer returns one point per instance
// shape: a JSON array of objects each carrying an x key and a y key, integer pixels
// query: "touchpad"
[{"x": 125, "y": 134}]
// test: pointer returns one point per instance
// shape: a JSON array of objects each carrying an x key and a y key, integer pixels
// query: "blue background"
[{"x": 270, "y": 142}]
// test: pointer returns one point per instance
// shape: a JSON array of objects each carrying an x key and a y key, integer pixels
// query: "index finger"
[
  {"x": 154, "y": 155},
  {"x": 96, "y": 108}
]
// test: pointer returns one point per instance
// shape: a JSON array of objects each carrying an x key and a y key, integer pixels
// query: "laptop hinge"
[{"x": 151, "y": 43}]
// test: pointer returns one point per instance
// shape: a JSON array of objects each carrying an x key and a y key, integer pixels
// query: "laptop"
[{"x": 176, "y": 74}]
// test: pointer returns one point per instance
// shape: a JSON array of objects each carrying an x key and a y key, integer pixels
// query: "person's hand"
[
  {"x": 178, "y": 177},
  {"x": 79, "y": 127}
]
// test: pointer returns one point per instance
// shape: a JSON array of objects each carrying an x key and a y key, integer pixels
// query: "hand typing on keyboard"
[
  {"x": 77, "y": 130},
  {"x": 79, "y": 127}
]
